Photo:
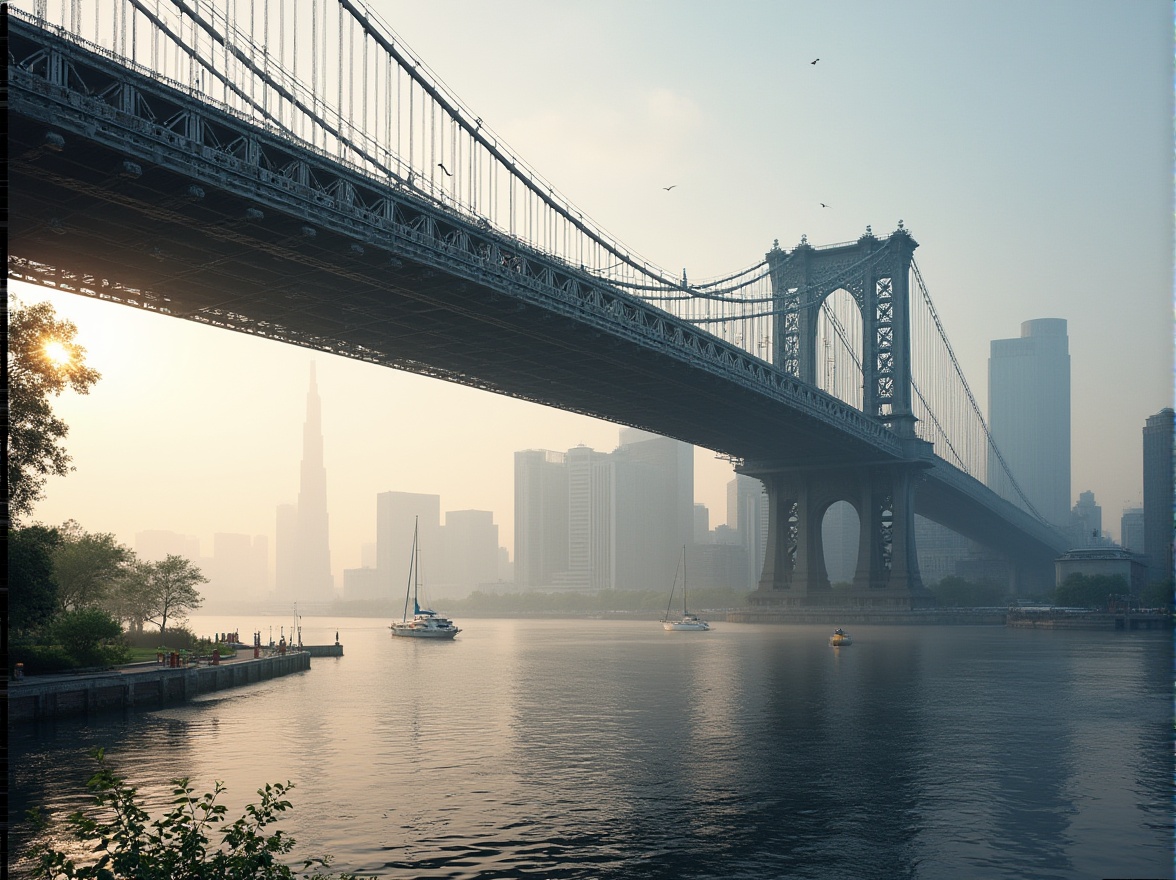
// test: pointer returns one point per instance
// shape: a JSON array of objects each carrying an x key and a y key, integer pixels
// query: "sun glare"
[{"x": 57, "y": 353}]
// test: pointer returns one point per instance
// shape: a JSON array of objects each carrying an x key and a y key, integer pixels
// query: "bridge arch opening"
[
  {"x": 840, "y": 537},
  {"x": 840, "y": 345}
]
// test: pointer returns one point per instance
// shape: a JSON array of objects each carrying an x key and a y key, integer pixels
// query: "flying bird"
[
  {"x": 814, "y": 61},
  {"x": 823, "y": 205},
  {"x": 443, "y": 168},
  {"x": 670, "y": 187}
]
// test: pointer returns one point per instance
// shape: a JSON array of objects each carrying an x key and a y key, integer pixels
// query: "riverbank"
[
  {"x": 45, "y": 697},
  {"x": 1045, "y": 618},
  {"x": 848, "y": 616}
]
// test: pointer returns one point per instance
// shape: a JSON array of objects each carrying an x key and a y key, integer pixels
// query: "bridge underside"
[{"x": 168, "y": 240}]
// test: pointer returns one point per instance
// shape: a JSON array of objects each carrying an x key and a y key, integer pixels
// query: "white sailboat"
[
  {"x": 687, "y": 622},
  {"x": 425, "y": 623}
]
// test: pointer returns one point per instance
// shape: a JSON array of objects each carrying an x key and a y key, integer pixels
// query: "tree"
[
  {"x": 43, "y": 361},
  {"x": 87, "y": 566},
  {"x": 32, "y": 588},
  {"x": 1090, "y": 591},
  {"x": 131, "y": 845},
  {"x": 170, "y": 590},
  {"x": 90, "y": 636}
]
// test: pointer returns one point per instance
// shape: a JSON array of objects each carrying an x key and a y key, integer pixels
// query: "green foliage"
[
  {"x": 35, "y": 376},
  {"x": 91, "y": 636},
  {"x": 1157, "y": 594},
  {"x": 88, "y": 567},
  {"x": 177, "y": 638},
  {"x": 32, "y": 588},
  {"x": 1090, "y": 591},
  {"x": 957, "y": 592},
  {"x": 40, "y": 659},
  {"x": 176, "y": 845},
  {"x": 167, "y": 590}
]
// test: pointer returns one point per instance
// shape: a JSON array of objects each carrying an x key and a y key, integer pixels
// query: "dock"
[{"x": 46, "y": 697}]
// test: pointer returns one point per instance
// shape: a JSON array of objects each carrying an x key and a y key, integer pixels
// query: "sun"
[{"x": 57, "y": 353}]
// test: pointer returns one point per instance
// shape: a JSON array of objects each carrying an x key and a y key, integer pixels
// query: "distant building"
[
  {"x": 1131, "y": 530},
  {"x": 470, "y": 542},
  {"x": 590, "y": 535},
  {"x": 747, "y": 514},
  {"x": 1086, "y": 522},
  {"x": 303, "y": 545},
  {"x": 702, "y": 529},
  {"x": 653, "y": 508},
  {"x": 540, "y": 517},
  {"x": 397, "y": 514},
  {"x": 1109, "y": 561},
  {"x": 1158, "y": 492},
  {"x": 1029, "y": 418},
  {"x": 587, "y": 520}
]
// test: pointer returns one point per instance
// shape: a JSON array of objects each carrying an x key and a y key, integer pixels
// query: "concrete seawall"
[{"x": 58, "y": 696}]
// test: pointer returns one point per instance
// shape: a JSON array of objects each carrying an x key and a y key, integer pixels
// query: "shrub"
[
  {"x": 92, "y": 637},
  {"x": 131, "y": 845},
  {"x": 39, "y": 659},
  {"x": 175, "y": 639}
]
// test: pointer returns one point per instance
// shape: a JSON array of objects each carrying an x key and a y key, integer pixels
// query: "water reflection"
[{"x": 601, "y": 749}]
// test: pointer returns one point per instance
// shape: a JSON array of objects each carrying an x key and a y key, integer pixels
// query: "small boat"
[
  {"x": 687, "y": 622},
  {"x": 840, "y": 637},
  {"x": 425, "y": 623}
]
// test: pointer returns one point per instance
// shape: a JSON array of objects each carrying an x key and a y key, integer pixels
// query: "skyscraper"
[
  {"x": 747, "y": 513},
  {"x": 303, "y": 546},
  {"x": 1158, "y": 495},
  {"x": 1029, "y": 417},
  {"x": 540, "y": 517},
  {"x": 397, "y": 515},
  {"x": 652, "y": 514}
]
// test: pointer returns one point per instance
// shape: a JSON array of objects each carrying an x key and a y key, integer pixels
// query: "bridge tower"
[{"x": 875, "y": 272}]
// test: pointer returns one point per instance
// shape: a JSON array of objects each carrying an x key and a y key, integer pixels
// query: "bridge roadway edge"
[
  {"x": 708, "y": 395},
  {"x": 43, "y": 698}
]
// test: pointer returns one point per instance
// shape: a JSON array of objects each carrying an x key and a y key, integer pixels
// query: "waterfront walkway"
[{"x": 42, "y": 697}]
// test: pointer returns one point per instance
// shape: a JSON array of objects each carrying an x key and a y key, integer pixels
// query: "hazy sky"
[{"x": 1026, "y": 145}]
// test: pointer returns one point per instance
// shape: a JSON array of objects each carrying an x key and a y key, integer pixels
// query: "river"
[{"x": 613, "y": 749}]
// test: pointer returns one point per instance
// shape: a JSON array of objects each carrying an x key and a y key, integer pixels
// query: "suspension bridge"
[{"x": 291, "y": 170}]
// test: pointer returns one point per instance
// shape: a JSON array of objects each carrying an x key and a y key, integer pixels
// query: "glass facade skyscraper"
[{"x": 1029, "y": 418}]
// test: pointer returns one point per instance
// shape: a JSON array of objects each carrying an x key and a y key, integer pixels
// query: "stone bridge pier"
[{"x": 794, "y": 572}]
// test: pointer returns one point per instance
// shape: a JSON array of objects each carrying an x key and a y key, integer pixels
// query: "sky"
[{"x": 1027, "y": 146}]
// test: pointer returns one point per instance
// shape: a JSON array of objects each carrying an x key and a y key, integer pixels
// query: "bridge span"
[{"x": 132, "y": 189}]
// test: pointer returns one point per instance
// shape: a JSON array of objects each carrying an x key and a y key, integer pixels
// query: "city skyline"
[{"x": 196, "y": 430}]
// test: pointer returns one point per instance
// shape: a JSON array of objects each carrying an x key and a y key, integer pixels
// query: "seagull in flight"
[
  {"x": 814, "y": 61},
  {"x": 670, "y": 187},
  {"x": 443, "y": 168},
  {"x": 823, "y": 205}
]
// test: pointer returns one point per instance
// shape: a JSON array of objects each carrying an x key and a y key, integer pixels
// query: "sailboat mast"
[{"x": 411, "y": 570}]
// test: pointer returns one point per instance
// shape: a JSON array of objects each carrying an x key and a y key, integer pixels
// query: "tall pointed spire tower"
[{"x": 312, "y": 581}]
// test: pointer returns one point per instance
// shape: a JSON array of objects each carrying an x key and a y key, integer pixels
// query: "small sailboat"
[
  {"x": 840, "y": 637},
  {"x": 687, "y": 622},
  {"x": 425, "y": 623}
]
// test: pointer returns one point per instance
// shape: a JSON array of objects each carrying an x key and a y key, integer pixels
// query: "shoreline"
[{"x": 61, "y": 695}]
